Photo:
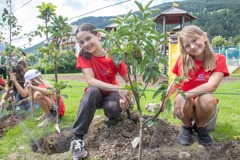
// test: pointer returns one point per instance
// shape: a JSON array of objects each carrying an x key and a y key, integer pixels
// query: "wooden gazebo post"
[{"x": 173, "y": 16}]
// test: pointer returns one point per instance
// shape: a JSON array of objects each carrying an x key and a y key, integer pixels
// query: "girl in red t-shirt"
[
  {"x": 103, "y": 91},
  {"x": 45, "y": 99},
  {"x": 203, "y": 71}
]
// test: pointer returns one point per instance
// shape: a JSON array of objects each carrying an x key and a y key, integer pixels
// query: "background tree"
[
  {"x": 10, "y": 21},
  {"x": 236, "y": 40},
  {"x": 218, "y": 41},
  {"x": 59, "y": 29},
  {"x": 31, "y": 59},
  {"x": 47, "y": 11}
]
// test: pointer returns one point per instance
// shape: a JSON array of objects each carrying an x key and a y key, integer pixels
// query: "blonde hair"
[
  {"x": 39, "y": 80},
  {"x": 188, "y": 64}
]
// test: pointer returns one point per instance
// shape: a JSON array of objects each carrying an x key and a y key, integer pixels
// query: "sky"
[{"x": 26, "y": 12}]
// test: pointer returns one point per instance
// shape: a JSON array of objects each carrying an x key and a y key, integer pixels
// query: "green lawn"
[{"x": 227, "y": 122}]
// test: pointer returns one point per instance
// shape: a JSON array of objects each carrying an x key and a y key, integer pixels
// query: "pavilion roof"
[{"x": 174, "y": 16}]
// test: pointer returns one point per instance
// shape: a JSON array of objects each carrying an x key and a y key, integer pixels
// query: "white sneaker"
[
  {"x": 47, "y": 121},
  {"x": 43, "y": 116}
]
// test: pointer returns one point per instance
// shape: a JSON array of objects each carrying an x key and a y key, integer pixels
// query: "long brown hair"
[
  {"x": 18, "y": 69},
  {"x": 86, "y": 27},
  {"x": 188, "y": 64}
]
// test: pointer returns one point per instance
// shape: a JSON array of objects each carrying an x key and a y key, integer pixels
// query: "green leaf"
[
  {"x": 39, "y": 47},
  {"x": 150, "y": 44},
  {"x": 164, "y": 41},
  {"x": 102, "y": 31},
  {"x": 153, "y": 37},
  {"x": 127, "y": 15},
  {"x": 154, "y": 126},
  {"x": 146, "y": 14},
  {"x": 48, "y": 67},
  {"x": 158, "y": 92},
  {"x": 155, "y": 10},
  {"x": 168, "y": 106},
  {"x": 160, "y": 36},
  {"x": 139, "y": 6},
  {"x": 146, "y": 76},
  {"x": 117, "y": 58},
  {"x": 130, "y": 19},
  {"x": 182, "y": 93},
  {"x": 123, "y": 27},
  {"x": 148, "y": 4},
  {"x": 177, "y": 80},
  {"x": 117, "y": 21}
]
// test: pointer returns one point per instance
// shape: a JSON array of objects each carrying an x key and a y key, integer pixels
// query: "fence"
[{"x": 232, "y": 54}]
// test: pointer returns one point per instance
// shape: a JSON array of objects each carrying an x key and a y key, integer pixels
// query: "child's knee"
[
  {"x": 207, "y": 103},
  {"x": 208, "y": 107},
  {"x": 38, "y": 95},
  {"x": 112, "y": 110}
]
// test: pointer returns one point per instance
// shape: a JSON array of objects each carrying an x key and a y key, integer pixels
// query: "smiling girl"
[
  {"x": 203, "y": 71},
  {"x": 103, "y": 91}
]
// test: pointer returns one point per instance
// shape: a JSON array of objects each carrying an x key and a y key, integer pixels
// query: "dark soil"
[
  {"x": 10, "y": 121},
  {"x": 114, "y": 142},
  {"x": 54, "y": 143}
]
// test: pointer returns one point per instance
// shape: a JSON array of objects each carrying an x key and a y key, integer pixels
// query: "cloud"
[{"x": 26, "y": 15}]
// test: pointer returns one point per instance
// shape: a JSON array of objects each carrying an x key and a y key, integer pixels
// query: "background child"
[
  {"x": 46, "y": 100},
  {"x": 23, "y": 64},
  {"x": 16, "y": 78},
  {"x": 203, "y": 71}
]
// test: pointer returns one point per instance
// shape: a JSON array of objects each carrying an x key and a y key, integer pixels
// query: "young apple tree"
[{"x": 136, "y": 35}]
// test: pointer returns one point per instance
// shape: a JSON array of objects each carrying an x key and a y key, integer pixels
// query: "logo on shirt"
[
  {"x": 109, "y": 71},
  {"x": 202, "y": 77}
]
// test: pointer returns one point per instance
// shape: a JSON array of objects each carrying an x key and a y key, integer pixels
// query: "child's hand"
[
  {"x": 123, "y": 103},
  {"x": 20, "y": 102},
  {"x": 29, "y": 84},
  {"x": 125, "y": 99},
  {"x": 179, "y": 103}
]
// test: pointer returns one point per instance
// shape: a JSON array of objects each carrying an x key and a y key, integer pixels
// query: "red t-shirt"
[
  {"x": 103, "y": 68},
  {"x": 200, "y": 77},
  {"x": 1, "y": 81},
  {"x": 61, "y": 106}
]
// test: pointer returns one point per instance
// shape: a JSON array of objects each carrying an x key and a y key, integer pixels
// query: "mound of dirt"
[
  {"x": 10, "y": 121},
  {"x": 54, "y": 143},
  {"x": 113, "y": 141}
]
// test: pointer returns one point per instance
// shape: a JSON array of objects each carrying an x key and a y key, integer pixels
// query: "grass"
[
  {"x": 227, "y": 122},
  {"x": 64, "y": 74}
]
